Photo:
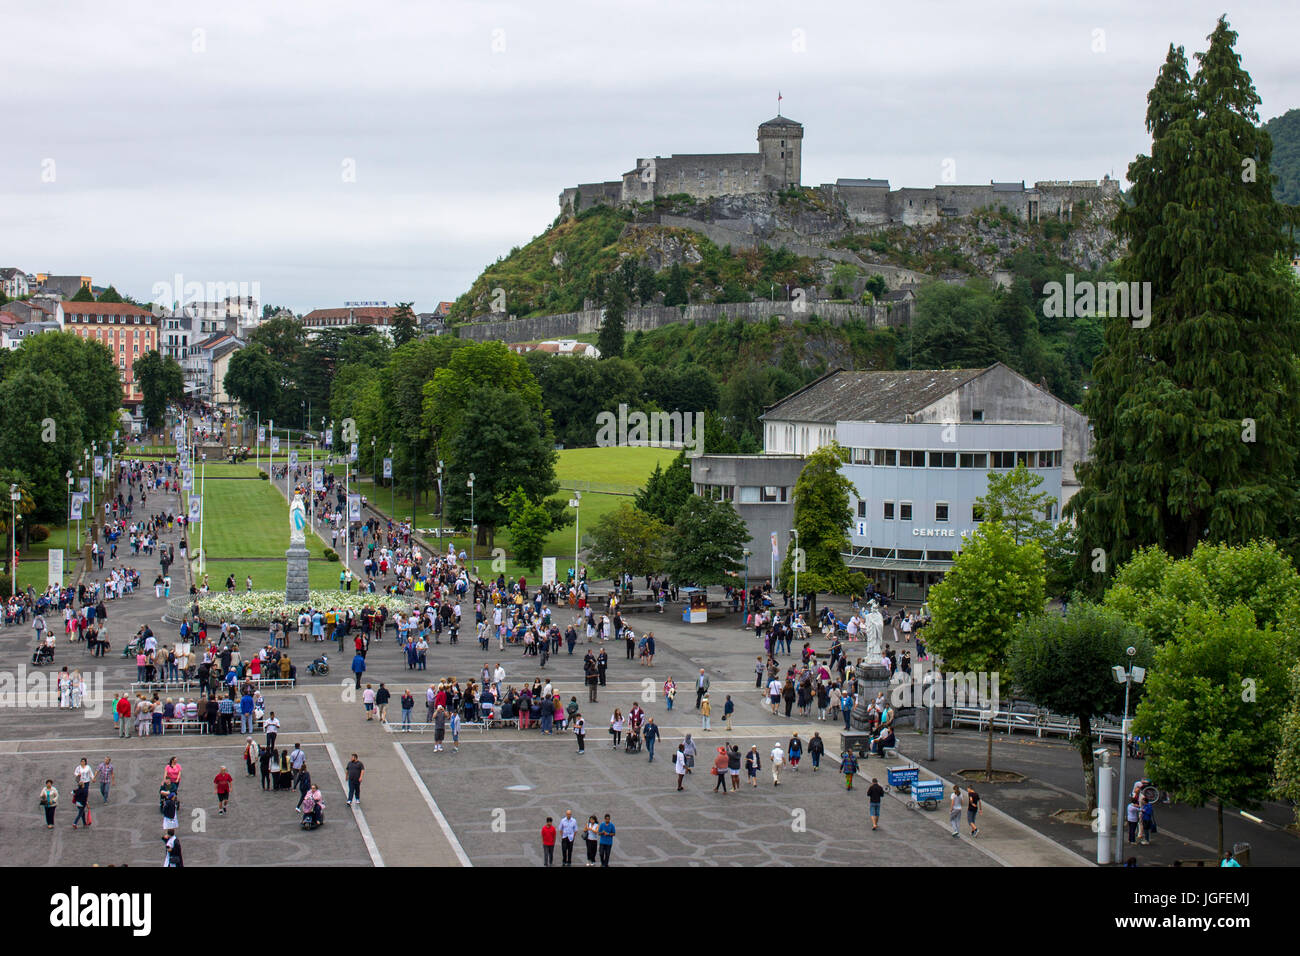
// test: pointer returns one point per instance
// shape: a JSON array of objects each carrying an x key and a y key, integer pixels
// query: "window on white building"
[
  {"x": 889, "y": 511},
  {"x": 941, "y": 511},
  {"x": 905, "y": 511}
]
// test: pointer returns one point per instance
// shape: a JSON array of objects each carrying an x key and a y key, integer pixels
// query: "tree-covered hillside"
[{"x": 1285, "y": 133}]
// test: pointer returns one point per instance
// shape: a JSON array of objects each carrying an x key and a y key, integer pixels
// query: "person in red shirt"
[
  {"x": 548, "y": 843},
  {"x": 124, "y": 716},
  {"x": 222, "y": 782},
  {"x": 255, "y": 667}
]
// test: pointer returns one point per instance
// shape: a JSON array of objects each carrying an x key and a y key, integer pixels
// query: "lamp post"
[
  {"x": 14, "y": 497},
  {"x": 794, "y": 563},
  {"x": 392, "y": 494},
  {"x": 67, "y": 531},
  {"x": 576, "y": 504},
  {"x": 1128, "y": 677},
  {"x": 744, "y": 606},
  {"x": 473, "y": 528},
  {"x": 440, "y": 502},
  {"x": 374, "y": 472}
]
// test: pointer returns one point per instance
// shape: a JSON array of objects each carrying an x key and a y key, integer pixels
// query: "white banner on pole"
[
  {"x": 352, "y": 455},
  {"x": 293, "y": 459},
  {"x": 261, "y": 434},
  {"x": 84, "y": 484},
  {"x": 196, "y": 508},
  {"x": 354, "y": 507},
  {"x": 75, "y": 514},
  {"x": 187, "y": 480},
  {"x": 329, "y": 439},
  {"x": 54, "y": 574},
  {"x": 99, "y": 466},
  {"x": 178, "y": 432},
  {"x": 548, "y": 570},
  {"x": 318, "y": 478},
  {"x": 388, "y": 467},
  {"x": 275, "y": 444}
]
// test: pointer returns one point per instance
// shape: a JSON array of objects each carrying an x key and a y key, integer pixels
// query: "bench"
[
  {"x": 193, "y": 726},
  {"x": 163, "y": 686}
]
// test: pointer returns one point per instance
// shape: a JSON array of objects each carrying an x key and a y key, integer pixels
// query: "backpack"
[{"x": 167, "y": 805}]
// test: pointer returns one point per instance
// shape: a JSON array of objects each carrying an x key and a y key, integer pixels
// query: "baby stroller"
[
  {"x": 43, "y": 655},
  {"x": 633, "y": 743}
]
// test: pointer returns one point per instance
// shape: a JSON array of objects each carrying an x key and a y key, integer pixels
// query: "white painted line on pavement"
[
  {"x": 315, "y": 713},
  {"x": 433, "y": 806},
  {"x": 371, "y": 846}
]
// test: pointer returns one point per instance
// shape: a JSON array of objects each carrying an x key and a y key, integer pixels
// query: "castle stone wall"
[{"x": 587, "y": 322}]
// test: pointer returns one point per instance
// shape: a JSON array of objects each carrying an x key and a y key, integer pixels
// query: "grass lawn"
[
  {"x": 616, "y": 466},
  {"x": 33, "y": 565},
  {"x": 246, "y": 518}
]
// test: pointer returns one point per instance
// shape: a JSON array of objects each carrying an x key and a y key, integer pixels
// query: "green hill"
[{"x": 1285, "y": 132}]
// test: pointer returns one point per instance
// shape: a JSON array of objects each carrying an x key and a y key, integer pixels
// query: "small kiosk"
[{"x": 697, "y": 605}]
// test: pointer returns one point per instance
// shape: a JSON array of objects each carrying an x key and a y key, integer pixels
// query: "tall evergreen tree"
[
  {"x": 610, "y": 339},
  {"x": 405, "y": 326},
  {"x": 1195, "y": 414}
]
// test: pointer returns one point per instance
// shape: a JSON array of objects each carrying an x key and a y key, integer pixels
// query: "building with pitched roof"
[{"x": 921, "y": 445}]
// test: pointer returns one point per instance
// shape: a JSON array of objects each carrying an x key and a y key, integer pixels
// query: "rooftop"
[{"x": 869, "y": 396}]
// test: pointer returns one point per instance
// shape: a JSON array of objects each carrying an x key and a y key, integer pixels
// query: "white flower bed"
[{"x": 260, "y": 608}]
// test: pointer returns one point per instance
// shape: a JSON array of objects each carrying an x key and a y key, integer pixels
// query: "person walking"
[
  {"x": 439, "y": 728},
  {"x": 778, "y": 758},
  {"x": 548, "y": 843},
  {"x": 701, "y": 687},
  {"x": 221, "y": 783},
  {"x": 1132, "y": 816},
  {"x": 753, "y": 764},
  {"x": 272, "y": 728},
  {"x": 875, "y": 793},
  {"x": 568, "y": 831},
  {"x": 650, "y": 733},
  {"x": 408, "y": 702},
  {"x": 368, "y": 701},
  {"x": 690, "y": 751},
  {"x": 616, "y": 728},
  {"x": 358, "y": 668},
  {"x": 795, "y": 752},
  {"x": 816, "y": 747},
  {"x": 720, "y": 770},
  {"x": 606, "y": 835},
  {"x": 848, "y": 767},
  {"x": 972, "y": 810},
  {"x": 728, "y": 708},
  {"x": 580, "y": 732},
  {"x": 591, "y": 838},
  {"x": 355, "y": 772},
  {"x": 105, "y": 774},
  {"x": 733, "y": 766},
  {"x": 81, "y": 800},
  {"x": 706, "y": 710},
  {"x": 49, "y": 802},
  {"x": 679, "y": 765},
  {"x": 954, "y": 810},
  {"x": 1148, "y": 815}
]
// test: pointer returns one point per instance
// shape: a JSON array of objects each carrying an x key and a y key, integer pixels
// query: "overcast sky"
[{"x": 213, "y": 139}]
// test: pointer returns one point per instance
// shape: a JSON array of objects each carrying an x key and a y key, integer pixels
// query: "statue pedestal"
[
  {"x": 871, "y": 679},
  {"x": 296, "y": 582}
]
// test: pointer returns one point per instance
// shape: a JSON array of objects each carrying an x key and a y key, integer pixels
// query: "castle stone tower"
[{"x": 780, "y": 143}]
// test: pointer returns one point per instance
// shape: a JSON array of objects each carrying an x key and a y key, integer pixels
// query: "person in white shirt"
[
  {"x": 84, "y": 773},
  {"x": 778, "y": 758},
  {"x": 498, "y": 676},
  {"x": 568, "y": 831}
]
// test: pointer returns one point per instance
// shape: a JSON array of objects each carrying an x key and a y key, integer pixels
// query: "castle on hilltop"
[{"x": 777, "y": 166}]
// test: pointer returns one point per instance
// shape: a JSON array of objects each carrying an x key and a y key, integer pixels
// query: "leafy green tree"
[
  {"x": 993, "y": 583},
  {"x": 822, "y": 517},
  {"x": 25, "y": 505},
  {"x": 1159, "y": 592},
  {"x": 667, "y": 490},
  {"x": 843, "y": 276},
  {"x": 626, "y": 540},
  {"x": 707, "y": 543},
  {"x": 1287, "y": 767},
  {"x": 405, "y": 326},
  {"x": 109, "y": 295},
  {"x": 88, "y": 370},
  {"x": 84, "y": 295},
  {"x": 876, "y": 286},
  {"x": 253, "y": 379},
  {"x": 610, "y": 338},
  {"x": 511, "y": 449},
  {"x": 675, "y": 291},
  {"x": 41, "y": 405},
  {"x": 1212, "y": 712},
  {"x": 161, "y": 381},
  {"x": 1063, "y": 663},
  {"x": 1012, "y": 500},
  {"x": 1195, "y": 413},
  {"x": 530, "y": 523}
]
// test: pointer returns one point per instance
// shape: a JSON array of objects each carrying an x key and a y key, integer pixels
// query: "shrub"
[
  {"x": 263, "y": 476},
  {"x": 331, "y": 554},
  {"x": 38, "y": 532}
]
